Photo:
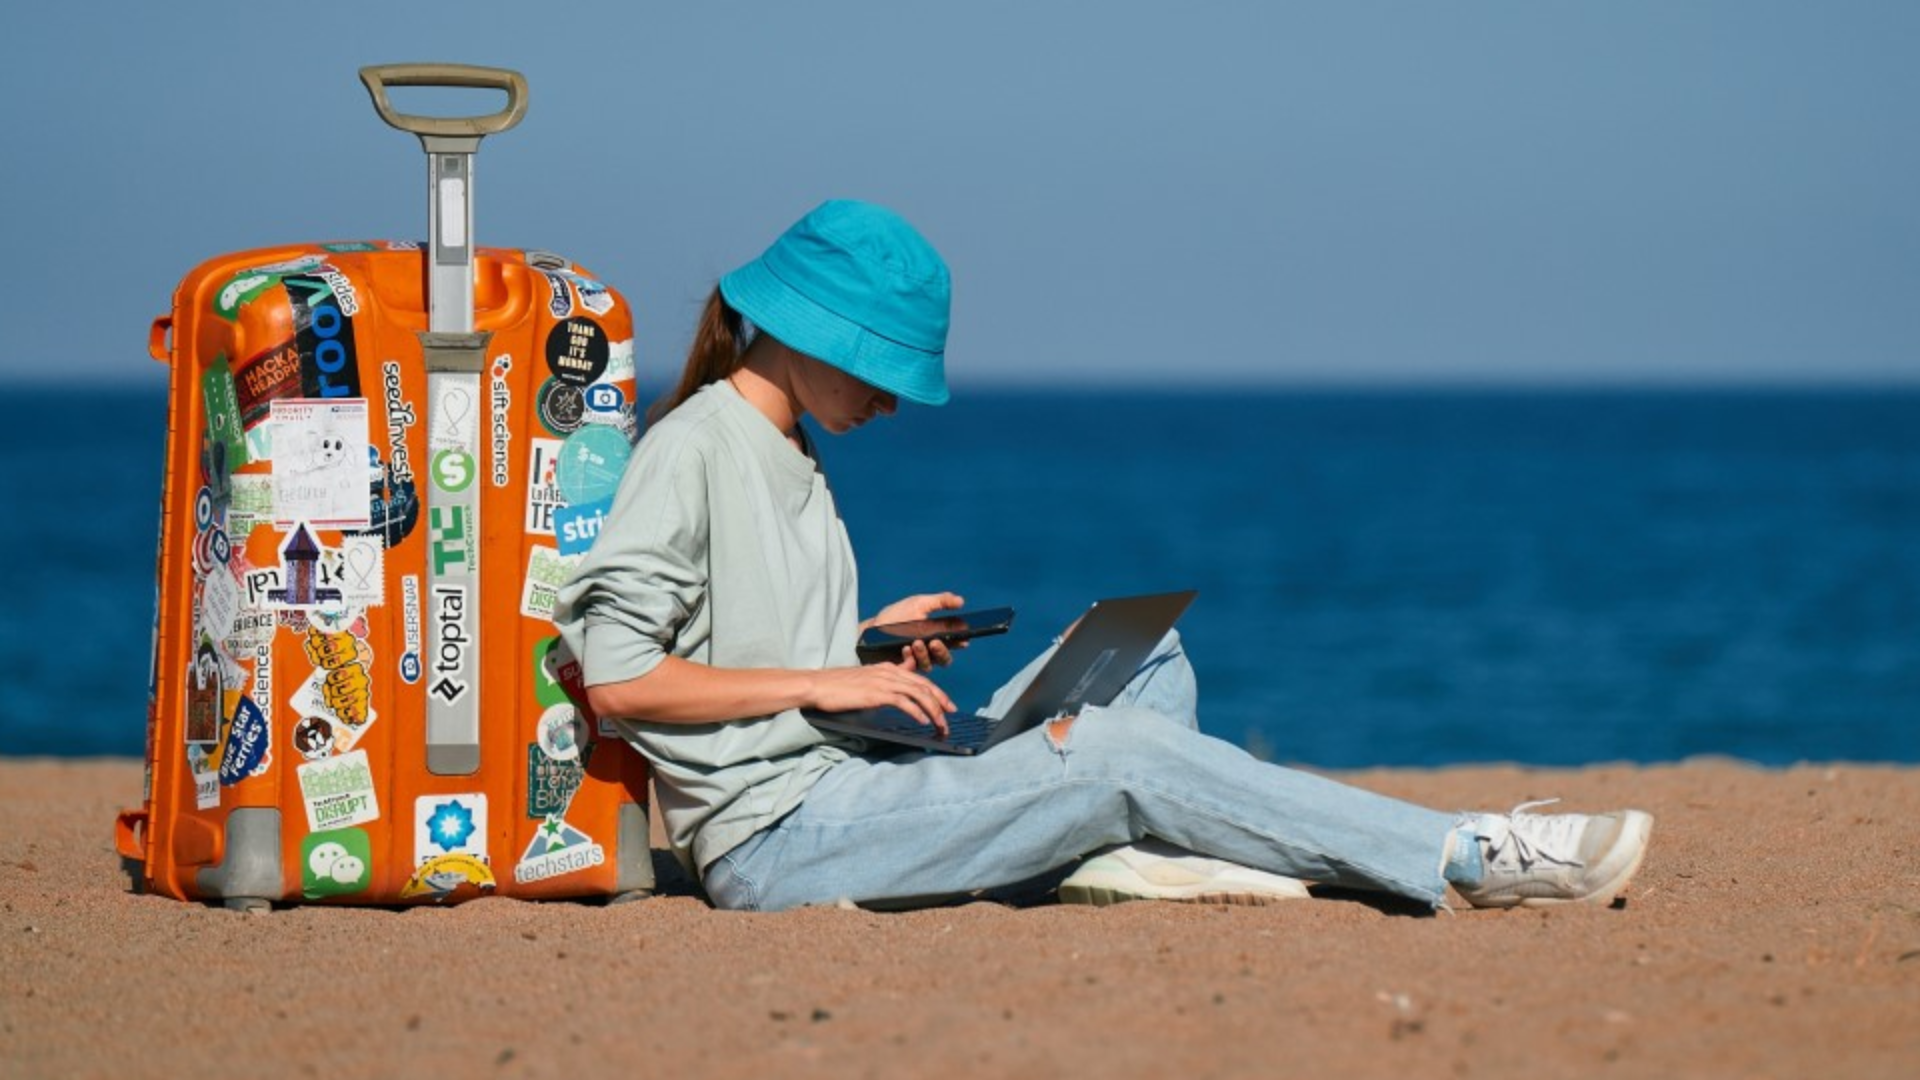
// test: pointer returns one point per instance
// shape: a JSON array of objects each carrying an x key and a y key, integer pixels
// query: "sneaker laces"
[{"x": 1517, "y": 840}]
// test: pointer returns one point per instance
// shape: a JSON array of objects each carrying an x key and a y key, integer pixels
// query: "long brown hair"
[{"x": 719, "y": 347}]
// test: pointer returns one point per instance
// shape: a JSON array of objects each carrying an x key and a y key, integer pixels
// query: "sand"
[{"x": 1774, "y": 931}]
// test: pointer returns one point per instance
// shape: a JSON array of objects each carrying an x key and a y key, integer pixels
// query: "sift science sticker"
[{"x": 500, "y": 396}]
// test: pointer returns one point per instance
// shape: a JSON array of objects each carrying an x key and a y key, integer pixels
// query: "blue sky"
[{"x": 1541, "y": 193}]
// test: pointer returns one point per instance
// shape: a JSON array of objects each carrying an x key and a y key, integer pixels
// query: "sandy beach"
[{"x": 1774, "y": 931}]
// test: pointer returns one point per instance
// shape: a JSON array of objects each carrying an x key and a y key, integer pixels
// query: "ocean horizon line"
[{"x": 1204, "y": 386}]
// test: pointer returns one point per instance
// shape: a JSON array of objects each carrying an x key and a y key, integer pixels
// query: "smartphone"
[{"x": 958, "y": 626}]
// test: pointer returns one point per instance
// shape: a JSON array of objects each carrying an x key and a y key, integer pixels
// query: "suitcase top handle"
[{"x": 380, "y": 76}]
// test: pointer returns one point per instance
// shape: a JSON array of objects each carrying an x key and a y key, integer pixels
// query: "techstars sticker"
[{"x": 557, "y": 848}]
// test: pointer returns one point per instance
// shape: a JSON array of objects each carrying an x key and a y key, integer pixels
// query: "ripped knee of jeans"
[{"x": 1057, "y": 731}]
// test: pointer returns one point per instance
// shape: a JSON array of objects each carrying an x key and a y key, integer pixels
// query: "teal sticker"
[
  {"x": 356, "y": 245},
  {"x": 337, "y": 862},
  {"x": 223, "y": 411},
  {"x": 591, "y": 461}
]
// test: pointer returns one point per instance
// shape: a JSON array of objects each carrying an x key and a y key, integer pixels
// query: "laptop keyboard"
[{"x": 963, "y": 729}]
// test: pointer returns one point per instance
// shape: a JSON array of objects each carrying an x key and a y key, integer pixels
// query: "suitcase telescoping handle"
[
  {"x": 450, "y": 143},
  {"x": 455, "y": 359}
]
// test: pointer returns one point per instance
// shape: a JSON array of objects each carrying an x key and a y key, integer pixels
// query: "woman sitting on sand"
[{"x": 720, "y": 600}]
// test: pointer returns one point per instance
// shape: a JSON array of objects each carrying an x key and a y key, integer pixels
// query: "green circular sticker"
[
  {"x": 452, "y": 470},
  {"x": 591, "y": 461}
]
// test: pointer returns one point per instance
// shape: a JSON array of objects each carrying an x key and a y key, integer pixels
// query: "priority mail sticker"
[
  {"x": 320, "y": 463},
  {"x": 338, "y": 791}
]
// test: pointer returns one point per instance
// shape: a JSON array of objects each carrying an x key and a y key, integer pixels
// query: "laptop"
[{"x": 1110, "y": 643}]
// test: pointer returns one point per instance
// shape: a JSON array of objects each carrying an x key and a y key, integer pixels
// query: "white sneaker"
[
  {"x": 1534, "y": 860},
  {"x": 1154, "y": 870}
]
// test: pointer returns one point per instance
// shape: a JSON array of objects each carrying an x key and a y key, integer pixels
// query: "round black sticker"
[{"x": 577, "y": 351}]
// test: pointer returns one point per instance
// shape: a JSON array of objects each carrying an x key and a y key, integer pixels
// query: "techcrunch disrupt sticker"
[
  {"x": 547, "y": 570},
  {"x": 338, "y": 792}
]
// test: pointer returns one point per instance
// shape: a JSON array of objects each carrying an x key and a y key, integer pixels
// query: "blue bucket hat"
[{"x": 854, "y": 285}]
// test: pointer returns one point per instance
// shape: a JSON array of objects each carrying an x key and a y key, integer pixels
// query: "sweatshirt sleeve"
[{"x": 646, "y": 574}]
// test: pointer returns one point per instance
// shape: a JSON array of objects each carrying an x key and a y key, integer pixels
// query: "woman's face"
[{"x": 836, "y": 400}]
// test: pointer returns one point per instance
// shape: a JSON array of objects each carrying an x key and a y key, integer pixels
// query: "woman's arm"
[{"x": 685, "y": 692}]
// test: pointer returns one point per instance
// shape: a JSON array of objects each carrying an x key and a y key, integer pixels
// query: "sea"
[{"x": 1385, "y": 577}]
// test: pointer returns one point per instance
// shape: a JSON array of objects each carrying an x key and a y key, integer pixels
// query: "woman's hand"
[
  {"x": 875, "y": 685},
  {"x": 921, "y": 655}
]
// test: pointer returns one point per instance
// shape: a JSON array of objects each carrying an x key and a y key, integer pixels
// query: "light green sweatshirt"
[{"x": 723, "y": 547}]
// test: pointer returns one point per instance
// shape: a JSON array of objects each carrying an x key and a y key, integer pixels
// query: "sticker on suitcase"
[
  {"x": 547, "y": 570},
  {"x": 440, "y": 876},
  {"x": 449, "y": 825},
  {"x": 337, "y": 862},
  {"x": 577, "y": 351},
  {"x": 319, "y": 463},
  {"x": 338, "y": 792},
  {"x": 500, "y": 396},
  {"x": 557, "y": 848}
]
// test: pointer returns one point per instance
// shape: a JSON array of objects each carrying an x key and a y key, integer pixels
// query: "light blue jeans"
[{"x": 924, "y": 826}]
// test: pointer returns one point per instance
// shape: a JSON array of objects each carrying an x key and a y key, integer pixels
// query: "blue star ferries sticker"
[{"x": 450, "y": 825}]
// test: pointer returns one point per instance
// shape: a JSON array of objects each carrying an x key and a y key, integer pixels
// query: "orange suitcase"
[{"x": 382, "y": 460}]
